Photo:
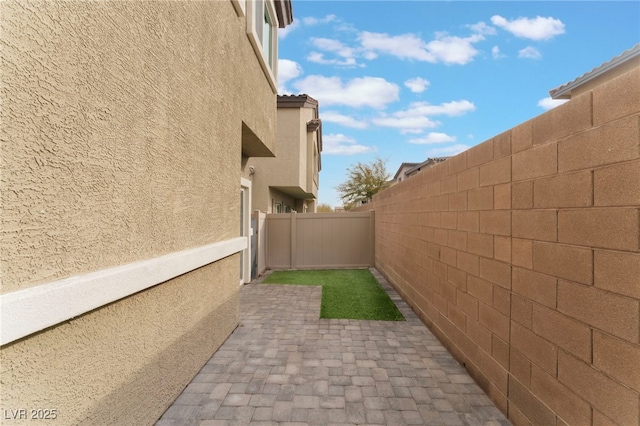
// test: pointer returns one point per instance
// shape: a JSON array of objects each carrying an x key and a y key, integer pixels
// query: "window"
[
  {"x": 262, "y": 28},
  {"x": 258, "y": 10},
  {"x": 277, "y": 207},
  {"x": 241, "y": 6},
  {"x": 267, "y": 37}
]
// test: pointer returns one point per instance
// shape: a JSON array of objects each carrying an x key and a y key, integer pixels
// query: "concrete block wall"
[{"x": 522, "y": 254}]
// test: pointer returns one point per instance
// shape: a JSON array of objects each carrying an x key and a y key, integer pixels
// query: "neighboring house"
[
  {"x": 401, "y": 173},
  {"x": 407, "y": 170},
  {"x": 289, "y": 182},
  {"x": 621, "y": 64},
  {"x": 126, "y": 130}
]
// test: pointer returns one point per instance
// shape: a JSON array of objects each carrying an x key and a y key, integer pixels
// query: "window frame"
[
  {"x": 240, "y": 6},
  {"x": 268, "y": 60}
]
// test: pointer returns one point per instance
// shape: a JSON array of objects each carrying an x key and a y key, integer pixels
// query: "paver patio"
[{"x": 284, "y": 365}]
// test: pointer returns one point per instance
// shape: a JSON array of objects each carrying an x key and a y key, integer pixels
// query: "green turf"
[{"x": 346, "y": 293}]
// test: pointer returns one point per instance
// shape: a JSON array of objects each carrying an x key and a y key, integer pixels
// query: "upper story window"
[{"x": 262, "y": 28}]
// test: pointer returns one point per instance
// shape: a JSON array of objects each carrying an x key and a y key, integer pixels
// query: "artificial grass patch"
[{"x": 346, "y": 293}]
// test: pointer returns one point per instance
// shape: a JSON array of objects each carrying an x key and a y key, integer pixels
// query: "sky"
[{"x": 406, "y": 81}]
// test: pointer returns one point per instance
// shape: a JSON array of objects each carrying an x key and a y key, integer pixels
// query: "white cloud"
[
  {"x": 447, "y": 151},
  {"x": 287, "y": 70},
  {"x": 415, "y": 124},
  {"x": 538, "y": 28},
  {"x": 445, "y": 48},
  {"x": 334, "y": 46},
  {"x": 339, "y": 144},
  {"x": 310, "y": 20},
  {"x": 417, "y": 85},
  {"x": 370, "y": 55},
  {"x": 549, "y": 103},
  {"x": 432, "y": 138},
  {"x": 529, "y": 52},
  {"x": 406, "y": 46},
  {"x": 344, "y": 120},
  {"x": 483, "y": 28},
  {"x": 319, "y": 58},
  {"x": 452, "y": 108},
  {"x": 454, "y": 50},
  {"x": 416, "y": 118},
  {"x": 284, "y": 32},
  {"x": 371, "y": 92},
  {"x": 495, "y": 52}
]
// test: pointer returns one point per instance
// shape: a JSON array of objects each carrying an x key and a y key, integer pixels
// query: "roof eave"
[
  {"x": 564, "y": 91},
  {"x": 284, "y": 12},
  {"x": 297, "y": 101}
]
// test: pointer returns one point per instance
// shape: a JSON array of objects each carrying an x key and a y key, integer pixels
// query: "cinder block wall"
[{"x": 523, "y": 256}]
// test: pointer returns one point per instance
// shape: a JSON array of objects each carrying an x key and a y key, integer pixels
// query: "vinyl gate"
[{"x": 319, "y": 240}]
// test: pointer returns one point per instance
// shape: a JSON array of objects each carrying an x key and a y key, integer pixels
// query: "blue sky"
[{"x": 405, "y": 81}]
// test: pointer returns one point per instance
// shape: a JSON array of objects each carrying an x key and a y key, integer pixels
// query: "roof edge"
[
  {"x": 564, "y": 91},
  {"x": 297, "y": 101},
  {"x": 284, "y": 12},
  {"x": 434, "y": 160}
]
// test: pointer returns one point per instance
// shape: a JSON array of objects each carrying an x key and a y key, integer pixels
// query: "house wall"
[
  {"x": 281, "y": 198},
  {"x": 284, "y": 169},
  {"x": 291, "y": 169},
  {"x": 522, "y": 255},
  {"x": 121, "y": 142}
]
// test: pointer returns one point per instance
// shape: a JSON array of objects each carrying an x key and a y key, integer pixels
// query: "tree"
[
  {"x": 363, "y": 182},
  {"x": 324, "y": 208}
]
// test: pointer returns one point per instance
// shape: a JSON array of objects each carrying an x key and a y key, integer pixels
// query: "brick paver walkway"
[{"x": 284, "y": 365}]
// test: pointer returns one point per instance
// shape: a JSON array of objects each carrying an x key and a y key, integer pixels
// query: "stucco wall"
[
  {"x": 124, "y": 363},
  {"x": 292, "y": 167},
  {"x": 523, "y": 255},
  {"x": 121, "y": 141},
  {"x": 117, "y": 119}
]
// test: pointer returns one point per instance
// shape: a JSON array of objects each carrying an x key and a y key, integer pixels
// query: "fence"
[
  {"x": 522, "y": 254},
  {"x": 319, "y": 240}
]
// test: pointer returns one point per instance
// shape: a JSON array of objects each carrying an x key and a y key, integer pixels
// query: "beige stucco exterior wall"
[
  {"x": 292, "y": 167},
  {"x": 522, "y": 254},
  {"x": 121, "y": 141},
  {"x": 124, "y": 363},
  {"x": 284, "y": 167}
]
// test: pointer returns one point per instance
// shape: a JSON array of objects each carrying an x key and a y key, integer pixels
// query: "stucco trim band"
[{"x": 27, "y": 311}]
